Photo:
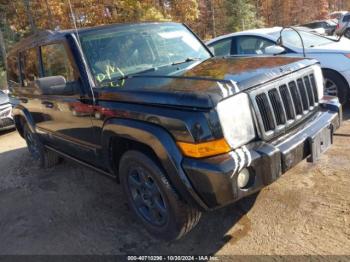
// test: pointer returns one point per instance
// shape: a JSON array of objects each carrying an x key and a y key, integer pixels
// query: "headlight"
[
  {"x": 236, "y": 120},
  {"x": 319, "y": 81}
]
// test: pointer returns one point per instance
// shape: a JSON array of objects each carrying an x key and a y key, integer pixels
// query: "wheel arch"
[
  {"x": 337, "y": 73},
  {"x": 157, "y": 142},
  {"x": 22, "y": 116}
]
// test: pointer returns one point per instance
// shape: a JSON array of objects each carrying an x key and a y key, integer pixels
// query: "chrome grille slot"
[
  {"x": 277, "y": 106},
  {"x": 284, "y": 103},
  {"x": 310, "y": 92},
  {"x": 303, "y": 94},
  {"x": 265, "y": 111},
  {"x": 287, "y": 102},
  {"x": 314, "y": 87},
  {"x": 296, "y": 98}
]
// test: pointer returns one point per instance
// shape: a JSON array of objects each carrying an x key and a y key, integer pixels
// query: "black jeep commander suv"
[{"x": 182, "y": 131}]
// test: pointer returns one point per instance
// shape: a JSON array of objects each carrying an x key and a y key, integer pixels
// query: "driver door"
[{"x": 66, "y": 117}]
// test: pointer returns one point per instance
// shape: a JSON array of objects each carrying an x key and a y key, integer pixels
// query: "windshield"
[
  {"x": 125, "y": 50},
  {"x": 291, "y": 38}
]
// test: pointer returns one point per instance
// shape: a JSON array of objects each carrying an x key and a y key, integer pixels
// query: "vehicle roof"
[
  {"x": 44, "y": 36},
  {"x": 338, "y": 12},
  {"x": 318, "y": 21}
]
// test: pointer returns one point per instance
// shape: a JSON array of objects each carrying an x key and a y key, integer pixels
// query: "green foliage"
[
  {"x": 3, "y": 83},
  {"x": 242, "y": 15}
]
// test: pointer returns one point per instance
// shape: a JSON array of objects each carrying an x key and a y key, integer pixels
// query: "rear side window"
[
  {"x": 29, "y": 66},
  {"x": 56, "y": 61},
  {"x": 313, "y": 25},
  {"x": 13, "y": 70},
  {"x": 252, "y": 45},
  {"x": 346, "y": 19},
  {"x": 222, "y": 48}
]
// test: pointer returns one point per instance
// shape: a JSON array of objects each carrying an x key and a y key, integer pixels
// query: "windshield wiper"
[
  {"x": 123, "y": 77},
  {"x": 188, "y": 59},
  {"x": 152, "y": 69}
]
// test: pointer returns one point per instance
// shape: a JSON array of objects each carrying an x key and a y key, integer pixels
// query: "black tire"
[
  {"x": 176, "y": 218},
  {"x": 42, "y": 157},
  {"x": 341, "y": 87}
]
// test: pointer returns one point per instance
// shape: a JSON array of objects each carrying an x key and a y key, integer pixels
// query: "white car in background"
[
  {"x": 334, "y": 56},
  {"x": 337, "y": 15}
]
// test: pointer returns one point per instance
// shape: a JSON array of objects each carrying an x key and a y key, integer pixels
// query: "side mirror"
[
  {"x": 54, "y": 85},
  {"x": 274, "y": 50}
]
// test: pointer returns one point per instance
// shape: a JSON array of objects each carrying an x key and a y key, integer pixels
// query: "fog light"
[{"x": 243, "y": 178}]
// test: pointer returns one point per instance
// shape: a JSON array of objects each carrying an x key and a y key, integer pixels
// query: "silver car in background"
[
  {"x": 6, "y": 120},
  {"x": 333, "y": 55},
  {"x": 343, "y": 26}
]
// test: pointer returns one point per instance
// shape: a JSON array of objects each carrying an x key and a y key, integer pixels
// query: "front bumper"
[{"x": 215, "y": 178}]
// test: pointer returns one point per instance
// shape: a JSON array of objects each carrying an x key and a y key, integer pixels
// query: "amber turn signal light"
[{"x": 206, "y": 149}]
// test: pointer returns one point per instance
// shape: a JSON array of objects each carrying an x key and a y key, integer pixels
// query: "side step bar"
[{"x": 81, "y": 162}]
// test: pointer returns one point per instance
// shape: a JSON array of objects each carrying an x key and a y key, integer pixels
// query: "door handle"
[{"x": 47, "y": 104}]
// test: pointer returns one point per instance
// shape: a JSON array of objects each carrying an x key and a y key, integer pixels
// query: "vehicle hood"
[
  {"x": 203, "y": 85},
  {"x": 343, "y": 46},
  {"x": 4, "y": 98}
]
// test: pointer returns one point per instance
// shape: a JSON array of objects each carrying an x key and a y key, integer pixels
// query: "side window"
[
  {"x": 29, "y": 66},
  {"x": 251, "y": 45},
  {"x": 13, "y": 70},
  {"x": 222, "y": 48},
  {"x": 346, "y": 19},
  {"x": 56, "y": 62}
]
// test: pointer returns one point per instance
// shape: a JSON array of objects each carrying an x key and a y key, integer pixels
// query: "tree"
[{"x": 242, "y": 15}]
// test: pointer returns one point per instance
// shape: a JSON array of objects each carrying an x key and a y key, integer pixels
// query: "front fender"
[
  {"x": 162, "y": 144},
  {"x": 20, "y": 111}
]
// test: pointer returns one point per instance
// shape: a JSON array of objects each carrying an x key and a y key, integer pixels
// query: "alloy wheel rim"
[
  {"x": 147, "y": 197},
  {"x": 331, "y": 88}
]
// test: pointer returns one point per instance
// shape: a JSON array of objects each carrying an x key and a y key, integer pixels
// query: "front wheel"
[
  {"x": 153, "y": 199},
  {"x": 335, "y": 85}
]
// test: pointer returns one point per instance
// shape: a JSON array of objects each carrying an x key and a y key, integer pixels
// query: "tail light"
[{"x": 337, "y": 26}]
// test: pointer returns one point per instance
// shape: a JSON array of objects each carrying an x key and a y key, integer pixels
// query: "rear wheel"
[
  {"x": 335, "y": 85},
  {"x": 41, "y": 156},
  {"x": 153, "y": 199}
]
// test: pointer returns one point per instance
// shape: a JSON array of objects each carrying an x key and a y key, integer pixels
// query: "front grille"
[
  {"x": 281, "y": 105},
  {"x": 6, "y": 122},
  {"x": 5, "y": 110}
]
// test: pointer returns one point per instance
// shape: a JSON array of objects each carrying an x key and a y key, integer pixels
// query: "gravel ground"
[{"x": 72, "y": 210}]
